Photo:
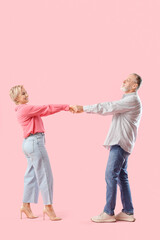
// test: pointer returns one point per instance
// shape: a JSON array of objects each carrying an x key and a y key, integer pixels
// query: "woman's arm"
[{"x": 44, "y": 110}]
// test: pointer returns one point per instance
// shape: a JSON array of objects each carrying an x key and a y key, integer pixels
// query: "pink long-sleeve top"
[{"x": 29, "y": 116}]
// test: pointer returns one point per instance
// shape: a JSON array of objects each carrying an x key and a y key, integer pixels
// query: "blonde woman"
[{"x": 38, "y": 175}]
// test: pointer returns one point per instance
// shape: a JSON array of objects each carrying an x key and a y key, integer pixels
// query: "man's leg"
[
  {"x": 114, "y": 166},
  {"x": 125, "y": 190},
  {"x": 127, "y": 211}
]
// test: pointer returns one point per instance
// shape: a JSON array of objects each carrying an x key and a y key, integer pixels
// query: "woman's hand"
[
  {"x": 76, "y": 108},
  {"x": 73, "y": 109}
]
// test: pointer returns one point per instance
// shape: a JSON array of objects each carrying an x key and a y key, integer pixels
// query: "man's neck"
[{"x": 131, "y": 91}]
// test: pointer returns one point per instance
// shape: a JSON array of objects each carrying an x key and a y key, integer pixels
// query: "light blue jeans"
[
  {"x": 38, "y": 175},
  {"x": 116, "y": 173}
]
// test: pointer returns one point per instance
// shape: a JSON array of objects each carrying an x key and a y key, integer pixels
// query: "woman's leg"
[
  {"x": 43, "y": 173},
  {"x": 38, "y": 171},
  {"x": 40, "y": 161},
  {"x": 44, "y": 177},
  {"x": 31, "y": 190}
]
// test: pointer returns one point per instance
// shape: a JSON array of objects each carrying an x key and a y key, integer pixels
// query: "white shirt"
[{"x": 126, "y": 118}]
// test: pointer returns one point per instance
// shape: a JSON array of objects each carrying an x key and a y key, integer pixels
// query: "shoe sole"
[
  {"x": 103, "y": 221},
  {"x": 126, "y": 220}
]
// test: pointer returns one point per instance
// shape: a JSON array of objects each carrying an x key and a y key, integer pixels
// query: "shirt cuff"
[
  {"x": 66, "y": 108},
  {"x": 86, "y": 108}
]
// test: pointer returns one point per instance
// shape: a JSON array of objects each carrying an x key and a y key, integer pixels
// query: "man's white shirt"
[{"x": 126, "y": 118}]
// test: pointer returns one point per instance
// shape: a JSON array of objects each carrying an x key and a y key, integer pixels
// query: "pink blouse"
[{"x": 29, "y": 116}]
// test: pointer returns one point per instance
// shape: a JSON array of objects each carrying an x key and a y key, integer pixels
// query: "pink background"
[{"x": 79, "y": 52}]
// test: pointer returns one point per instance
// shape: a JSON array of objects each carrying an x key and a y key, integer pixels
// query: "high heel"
[
  {"x": 51, "y": 216},
  {"x": 27, "y": 212}
]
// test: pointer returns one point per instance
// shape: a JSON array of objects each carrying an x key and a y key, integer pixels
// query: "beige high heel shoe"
[
  {"x": 27, "y": 212},
  {"x": 52, "y": 216}
]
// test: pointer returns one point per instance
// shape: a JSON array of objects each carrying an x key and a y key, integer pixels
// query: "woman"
[{"x": 38, "y": 175}]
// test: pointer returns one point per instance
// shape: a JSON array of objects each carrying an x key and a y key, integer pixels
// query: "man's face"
[
  {"x": 23, "y": 97},
  {"x": 129, "y": 84}
]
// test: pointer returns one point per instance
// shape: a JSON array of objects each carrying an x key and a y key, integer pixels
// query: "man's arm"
[{"x": 109, "y": 108}]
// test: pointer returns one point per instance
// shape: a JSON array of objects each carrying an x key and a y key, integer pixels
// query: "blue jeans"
[
  {"x": 38, "y": 175},
  {"x": 116, "y": 172}
]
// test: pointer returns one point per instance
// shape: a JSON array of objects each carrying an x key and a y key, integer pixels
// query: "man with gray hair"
[{"x": 121, "y": 138}]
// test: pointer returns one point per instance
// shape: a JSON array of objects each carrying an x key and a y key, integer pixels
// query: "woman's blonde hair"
[{"x": 14, "y": 92}]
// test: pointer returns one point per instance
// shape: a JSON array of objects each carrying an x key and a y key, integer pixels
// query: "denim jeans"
[
  {"x": 38, "y": 175},
  {"x": 116, "y": 173}
]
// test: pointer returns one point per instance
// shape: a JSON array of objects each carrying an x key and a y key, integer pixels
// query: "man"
[{"x": 121, "y": 138}]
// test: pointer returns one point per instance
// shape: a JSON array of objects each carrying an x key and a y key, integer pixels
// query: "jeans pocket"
[
  {"x": 40, "y": 140},
  {"x": 29, "y": 146}
]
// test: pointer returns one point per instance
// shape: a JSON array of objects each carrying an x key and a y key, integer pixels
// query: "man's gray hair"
[{"x": 138, "y": 79}]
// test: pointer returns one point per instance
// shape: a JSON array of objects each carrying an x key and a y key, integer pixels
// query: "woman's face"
[{"x": 22, "y": 97}]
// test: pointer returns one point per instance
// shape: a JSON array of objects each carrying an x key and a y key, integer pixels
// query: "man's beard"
[{"x": 125, "y": 89}]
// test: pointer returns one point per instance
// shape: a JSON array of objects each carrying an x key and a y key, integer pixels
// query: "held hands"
[{"x": 76, "y": 108}]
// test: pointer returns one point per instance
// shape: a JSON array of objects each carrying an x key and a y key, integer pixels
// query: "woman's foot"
[
  {"x": 25, "y": 208},
  {"x": 48, "y": 209}
]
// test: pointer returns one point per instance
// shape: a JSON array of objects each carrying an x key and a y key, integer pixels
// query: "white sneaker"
[
  {"x": 125, "y": 217},
  {"x": 103, "y": 217}
]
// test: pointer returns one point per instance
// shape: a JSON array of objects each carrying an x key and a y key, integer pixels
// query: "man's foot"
[
  {"x": 103, "y": 217},
  {"x": 125, "y": 217}
]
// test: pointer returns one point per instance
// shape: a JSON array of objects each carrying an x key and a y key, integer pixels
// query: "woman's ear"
[{"x": 16, "y": 100}]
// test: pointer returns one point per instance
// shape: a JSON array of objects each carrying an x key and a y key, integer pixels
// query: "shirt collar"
[{"x": 130, "y": 94}]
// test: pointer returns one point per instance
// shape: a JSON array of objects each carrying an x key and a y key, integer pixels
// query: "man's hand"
[
  {"x": 73, "y": 109},
  {"x": 79, "y": 108},
  {"x": 76, "y": 108}
]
